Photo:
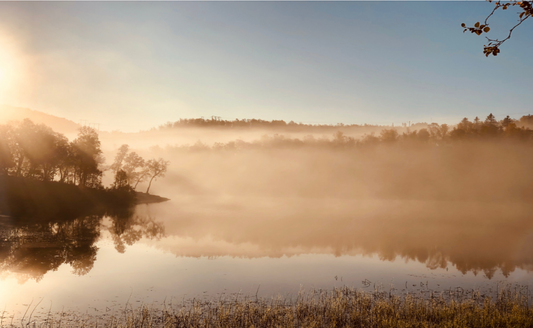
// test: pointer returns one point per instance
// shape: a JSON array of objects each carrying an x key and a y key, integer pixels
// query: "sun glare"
[{"x": 10, "y": 69}]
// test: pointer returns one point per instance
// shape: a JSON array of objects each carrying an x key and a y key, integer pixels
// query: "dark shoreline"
[
  {"x": 144, "y": 198},
  {"x": 23, "y": 197}
]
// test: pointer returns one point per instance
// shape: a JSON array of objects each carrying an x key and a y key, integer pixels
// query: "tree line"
[
  {"x": 29, "y": 150},
  {"x": 216, "y": 122},
  {"x": 36, "y": 151},
  {"x": 490, "y": 129}
]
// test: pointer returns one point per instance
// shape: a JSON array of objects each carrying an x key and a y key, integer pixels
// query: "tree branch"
[{"x": 494, "y": 44}]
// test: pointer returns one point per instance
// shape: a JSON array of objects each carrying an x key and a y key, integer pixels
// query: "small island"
[{"x": 42, "y": 174}]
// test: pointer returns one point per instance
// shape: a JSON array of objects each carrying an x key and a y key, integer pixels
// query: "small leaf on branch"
[{"x": 486, "y": 29}]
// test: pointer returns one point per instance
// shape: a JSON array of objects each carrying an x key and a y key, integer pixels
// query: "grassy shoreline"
[{"x": 339, "y": 307}]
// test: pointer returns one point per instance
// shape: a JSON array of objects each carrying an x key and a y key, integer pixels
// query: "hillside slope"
[{"x": 59, "y": 124}]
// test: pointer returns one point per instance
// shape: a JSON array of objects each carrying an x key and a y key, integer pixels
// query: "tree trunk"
[
  {"x": 147, "y": 190},
  {"x": 62, "y": 175}
]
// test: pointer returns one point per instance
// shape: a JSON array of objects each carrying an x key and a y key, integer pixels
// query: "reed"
[{"x": 340, "y": 307}]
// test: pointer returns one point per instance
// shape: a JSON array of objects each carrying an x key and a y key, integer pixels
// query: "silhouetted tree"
[
  {"x": 415, "y": 137},
  {"x": 21, "y": 137},
  {"x": 65, "y": 158},
  {"x": 490, "y": 126},
  {"x": 368, "y": 140},
  {"x": 423, "y": 135},
  {"x": 119, "y": 158},
  {"x": 136, "y": 169},
  {"x": 121, "y": 180},
  {"x": 506, "y": 121},
  {"x": 6, "y": 156},
  {"x": 438, "y": 132},
  {"x": 526, "y": 120},
  {"x": 339, "y": 140},
  {"x": 156, "y": 168},
  {"x": 34, "y": 151},
  {"x": 388, "y": 135},
  {"x": 87, "y": 157}
]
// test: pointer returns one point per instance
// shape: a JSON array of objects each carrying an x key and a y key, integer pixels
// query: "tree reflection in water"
[
  {"x": 478, "y": 237},
  {"x": 127, "y": 228},
  {"x": 30, "y": 247}
]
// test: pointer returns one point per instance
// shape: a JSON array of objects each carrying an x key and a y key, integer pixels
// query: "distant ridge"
[{"x": 59, "y": 124}]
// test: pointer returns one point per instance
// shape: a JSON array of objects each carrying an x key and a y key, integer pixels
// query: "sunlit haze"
[
  {"x": 131, "y": 66},
  {"x": 297, "y": 164}
]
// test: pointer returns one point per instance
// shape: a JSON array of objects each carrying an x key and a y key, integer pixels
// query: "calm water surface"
[{"x": 196, "y": 247}]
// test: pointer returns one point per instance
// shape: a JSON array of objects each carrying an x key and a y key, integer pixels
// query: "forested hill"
[
  {"x": 278, "y": 125},
  {"x": 70, "y": 128},
  {"x": 281, "y": 125},
  {"x": 59, "y": 124}
]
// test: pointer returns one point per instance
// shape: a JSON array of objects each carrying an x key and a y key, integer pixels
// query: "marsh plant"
[{"x": 340, "y": 307}]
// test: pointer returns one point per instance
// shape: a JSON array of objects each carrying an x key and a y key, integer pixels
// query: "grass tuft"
[{"x": 340, "y": 307}]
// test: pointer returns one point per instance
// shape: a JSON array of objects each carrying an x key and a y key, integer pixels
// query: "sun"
[{"x": 11, "y": 69}]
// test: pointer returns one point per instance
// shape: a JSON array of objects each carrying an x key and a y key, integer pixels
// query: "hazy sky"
[{"x": 135, "y": 65}]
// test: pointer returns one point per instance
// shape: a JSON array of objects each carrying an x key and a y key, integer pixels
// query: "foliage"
[
  {"x": 280, "y": 125},
  {"x": 35, "y": 151},
  {"x": 156, "y": 168},
  {"x": 134, "y": 169},
  {"x": 54, "y": 176},
  {"x": 121, "y": 180},
  {"x": 490, "y": 129},
  {"x": 87, "y": 157},
  {"x": 493, "y": 47},
  {"x": 119, "y": 158}
]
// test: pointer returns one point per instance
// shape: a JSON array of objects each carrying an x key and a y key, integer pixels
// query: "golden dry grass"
[{"x": 340, "y": 307}]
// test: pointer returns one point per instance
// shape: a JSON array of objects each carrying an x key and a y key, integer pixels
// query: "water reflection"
[
  {"x": 127, "y": 229},
  {"x": 479, "y": 237},
  {"x": 30, "y": 247},
  {"x": 473, "y": 237}
]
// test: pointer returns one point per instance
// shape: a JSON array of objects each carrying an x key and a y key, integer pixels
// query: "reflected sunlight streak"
[{"x": 6, "y": 287}]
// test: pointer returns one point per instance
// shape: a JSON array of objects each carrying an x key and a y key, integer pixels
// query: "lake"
[{"x": 196, "y": 246}]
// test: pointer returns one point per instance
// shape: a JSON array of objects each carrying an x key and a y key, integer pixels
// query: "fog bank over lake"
[{"x": 415, "y": 211}]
